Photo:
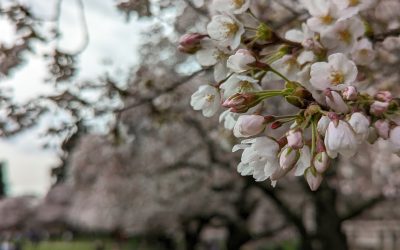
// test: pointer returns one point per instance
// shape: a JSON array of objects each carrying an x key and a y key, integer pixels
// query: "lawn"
[
  {"x": 60, "y": 245},
  {"x": 76, "y": 245}
]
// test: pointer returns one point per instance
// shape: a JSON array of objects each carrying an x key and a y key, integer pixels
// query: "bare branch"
[{"x": 362, "y": 208}]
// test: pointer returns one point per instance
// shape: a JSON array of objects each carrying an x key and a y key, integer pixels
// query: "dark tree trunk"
[
  {"x": 237, "y": 237},
  {"x": 329, "y": 234}
]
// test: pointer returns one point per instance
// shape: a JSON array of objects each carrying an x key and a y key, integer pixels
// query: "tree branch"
[
  {"x": 145, "y": 100},
  {"x": 284, "y": 208},
  {"x": 382, "y": 36},
  {"x": 361, "y": 208}
]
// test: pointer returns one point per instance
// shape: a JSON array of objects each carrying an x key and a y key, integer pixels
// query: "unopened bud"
[
  {"x": 288, "y": 158},
  {"x": 384, "y": 96},
  {"x": 249, "y": 125},
  {"x": 382, "y": 128},
  {"x": 334, "y": 118},
  {"x": 335, "y": 102},
  {"x": 350, "y": 93},
  {"x": 241, "y": 102},
  {"x": 276, "y": 124},
  {"x": 323, "y": 124},
  {"x": 313, "y": 178},
  {"x": 321, "y": 162},
  {"x": 378, "y": 108},
  {"x": 295, "y": 139},
  {"x": 190, "y": 43}
]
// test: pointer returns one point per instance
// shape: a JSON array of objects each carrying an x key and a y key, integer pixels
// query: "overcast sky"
[{"x": 111, "y": 39}]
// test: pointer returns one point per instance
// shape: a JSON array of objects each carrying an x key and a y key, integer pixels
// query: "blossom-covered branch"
[{"x": 319, "y": 64}]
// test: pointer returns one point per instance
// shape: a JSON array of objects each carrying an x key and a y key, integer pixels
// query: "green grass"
[
  {"x": 58, "y": 245},
  {"x": 75, "y": 245}
]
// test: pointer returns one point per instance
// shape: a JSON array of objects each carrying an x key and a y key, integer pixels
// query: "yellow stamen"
[
  {"x": 232, "y": 28},
  {"x": 337, "y": 78},
  {"x": 326, "y": 19},
  {"x": 245, "y": 86},
  {"x": 345, "y": 36},
  {"x": 238, "y": 3},
  {"x": 209, "y": 98},
  {"x": 354, "y": 2}
]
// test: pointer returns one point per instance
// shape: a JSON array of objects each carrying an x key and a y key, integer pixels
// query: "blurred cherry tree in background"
[{"x": 137, "y": 161}]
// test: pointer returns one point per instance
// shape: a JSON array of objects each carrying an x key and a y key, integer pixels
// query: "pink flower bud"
[
  {"x": 276, "y": 125},
  {"x": 241, "y": 102},
  {"x": 313, "y": 179},
  {"x": 378, "y": 108},
  {"x": 382, "y": 128},
  {"x": 295, "y": 139},
  {"x": 350, "y": 93},
  {"x": 384, "y": 96},
  {"x": 288, "y": 158},
  {"x": 335, "y": 102},
  {"x": 190, "y": 43},
  {"x": 321, "y": 162},
  {"x": 249, "y": 125}
]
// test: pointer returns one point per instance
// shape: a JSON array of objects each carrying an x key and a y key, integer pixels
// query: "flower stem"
[
  {"x": 313, "y": 137},
  {"x": 279, "y": 74}
]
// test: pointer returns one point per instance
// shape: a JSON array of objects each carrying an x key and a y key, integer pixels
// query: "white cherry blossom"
[
  {"x": 259, "y": 157},
  {"x": 207, "y": 99},
  {"x": 350, "y": 8},
  {"x": 239, "y": 84},
  {"x": 323, "y": 124},
  {"x": 304, "y": 161},
  {"x": 228, "y": 119},
  {"x": 338, "y": 73},
  {"x": 335, "y": 101},
  {"x": 324, "y": 14},
  {"x": 292, "y": 66},
  {"x": 343, "y": 35},
  {"x": 305, "y": 36},
  {"x": 212, "y": 55},
  {"x": 234, "y": 6},
  {"x": 360, "y": 124},
  {"x": 239, "y": 62},
  {"x": 363, "y": 53},
  {"x": 340, "y": 139},
  {"x": 394, "y": 140},
  {"x": 226, "y": 30}
]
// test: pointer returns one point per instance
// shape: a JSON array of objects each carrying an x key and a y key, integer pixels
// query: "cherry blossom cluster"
[{"x": 317, "y": 66}]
